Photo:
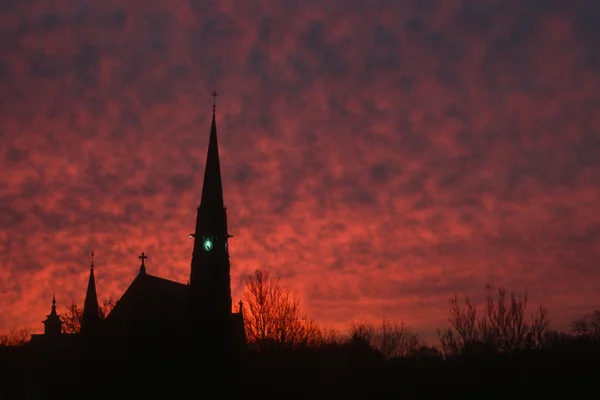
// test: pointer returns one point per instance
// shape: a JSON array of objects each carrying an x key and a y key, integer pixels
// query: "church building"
[{"x": 155, "y": 310}]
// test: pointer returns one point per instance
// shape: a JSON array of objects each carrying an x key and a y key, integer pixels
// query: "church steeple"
[
  {"x": 212, "y": 191},
  {"x": 53, "y": 323},
  {"x": 90, "y": 319},
  {"x": 210, "y": 279}
]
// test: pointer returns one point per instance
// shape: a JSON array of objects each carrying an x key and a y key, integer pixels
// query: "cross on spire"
[
  {"x": 143, "y": 266},
  {"x": 214, "y": 94},
  {"x": 92, "y": 263}
]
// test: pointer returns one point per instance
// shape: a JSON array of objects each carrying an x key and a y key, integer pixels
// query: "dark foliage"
[{"x": 352, "y": 369}]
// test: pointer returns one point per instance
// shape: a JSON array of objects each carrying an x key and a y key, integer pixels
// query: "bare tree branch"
[
  {"x": 72, "y": 317},
  {"x": 272, "y": 314},
  {"x": 503, "y": 326},
  {"x": 16, "y": 337},
  {"x": 363, "y": 330},
  {"x": 395, "y": 340},
  {"x": 588, "y": 326}
]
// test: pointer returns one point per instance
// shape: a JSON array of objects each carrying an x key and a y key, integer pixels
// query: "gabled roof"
[{"x": 150, "y": 306}]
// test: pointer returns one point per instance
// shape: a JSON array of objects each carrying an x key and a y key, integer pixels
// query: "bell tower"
[{"x": 210, "y": 281}]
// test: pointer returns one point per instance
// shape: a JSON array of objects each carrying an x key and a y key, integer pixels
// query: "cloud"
[{"x": 379, "y": 158}]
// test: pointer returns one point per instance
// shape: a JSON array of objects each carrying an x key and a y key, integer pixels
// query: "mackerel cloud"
[{"x": 378, "y": 156}]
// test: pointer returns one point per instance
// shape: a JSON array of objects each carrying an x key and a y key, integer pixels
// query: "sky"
[{"x": 378, "y": 156}]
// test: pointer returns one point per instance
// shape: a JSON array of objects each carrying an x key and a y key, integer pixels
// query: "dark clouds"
[{"x": 378, "y": 158}]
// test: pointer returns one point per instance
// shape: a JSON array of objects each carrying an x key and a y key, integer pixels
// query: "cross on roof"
[{"x": 143, "y": 257}]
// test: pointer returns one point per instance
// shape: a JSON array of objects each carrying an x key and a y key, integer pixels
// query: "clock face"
[{"x": 208, "y": 245}]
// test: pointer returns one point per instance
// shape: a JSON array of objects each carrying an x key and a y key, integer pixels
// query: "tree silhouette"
[
  {"x": 363, "y": 330},
  {"x": 16, "y": 337},
  {"x": 272, "y": 314},
  {"x": 329, "y": 336},
  {"x": 588, "y": 326},
  {"x": 502, "y": 327},
  {"x": 72, "y": 317},
  {"x": 388, "y": 338},
  {"x": 395, "y": 340}
]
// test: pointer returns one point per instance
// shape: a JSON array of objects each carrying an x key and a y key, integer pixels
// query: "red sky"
[{"x": 378, "y": 156}]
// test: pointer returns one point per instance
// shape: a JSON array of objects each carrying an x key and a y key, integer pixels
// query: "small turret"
[{"x": 53, "y": 323}]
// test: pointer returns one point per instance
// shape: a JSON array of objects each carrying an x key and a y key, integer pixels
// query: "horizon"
[{"x": 378, "y": 159}]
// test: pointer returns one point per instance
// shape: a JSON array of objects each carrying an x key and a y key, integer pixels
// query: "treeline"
[
  {"x": 494, "y": 350},
  {"x": 275, "y": 320},
  {"x": 499, "y": 345}
]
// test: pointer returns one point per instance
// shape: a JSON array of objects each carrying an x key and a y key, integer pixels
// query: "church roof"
[{"x": 150, "y": 306}]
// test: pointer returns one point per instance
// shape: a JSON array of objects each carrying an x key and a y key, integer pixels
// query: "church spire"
[
  {"x": 90, "y": 319},
  {"x": 212, "y": 191},
  {"x": 210, "y": 280}
]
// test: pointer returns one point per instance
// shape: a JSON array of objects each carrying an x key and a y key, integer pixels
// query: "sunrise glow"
[{"x": 377, "y": 156}]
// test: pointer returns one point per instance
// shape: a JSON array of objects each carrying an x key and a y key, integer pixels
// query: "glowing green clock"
[{"x": 208, "y": 245}]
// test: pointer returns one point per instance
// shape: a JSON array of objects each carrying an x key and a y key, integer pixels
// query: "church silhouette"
[{"x": 157, "y": 326}]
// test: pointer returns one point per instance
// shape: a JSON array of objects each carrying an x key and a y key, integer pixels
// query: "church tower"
[
  {"x": 90, "y": 319},
  {"x": 210, "y": 269},
  {"x": 53, "y": 323}
]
